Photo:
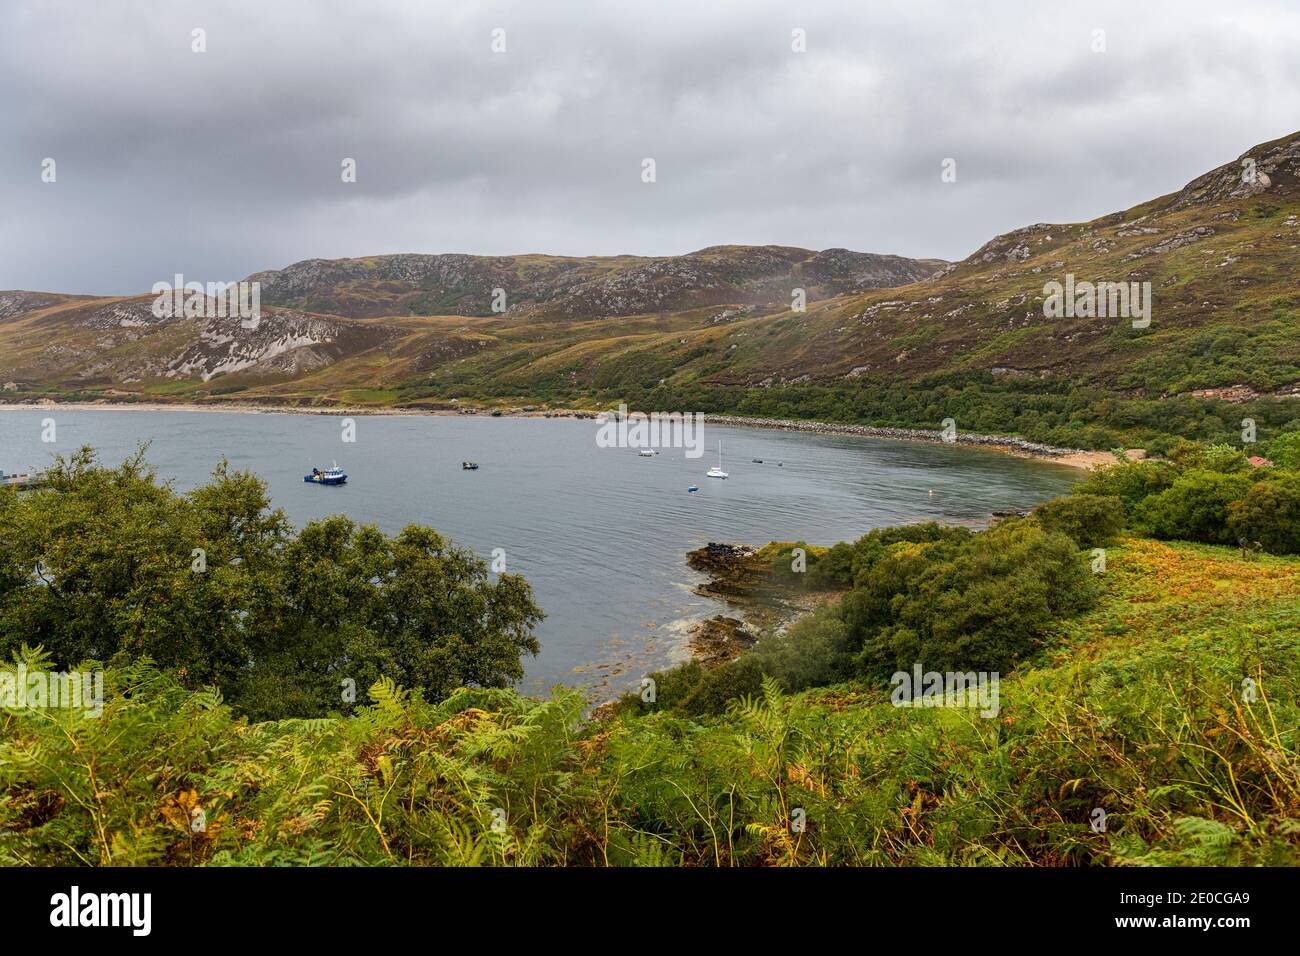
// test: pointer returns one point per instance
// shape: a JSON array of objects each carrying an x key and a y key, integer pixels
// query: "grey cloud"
[{"x": 221, "y": 164}]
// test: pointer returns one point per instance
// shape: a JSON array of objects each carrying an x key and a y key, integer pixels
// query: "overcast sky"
[{"x": 221, "y": 163}]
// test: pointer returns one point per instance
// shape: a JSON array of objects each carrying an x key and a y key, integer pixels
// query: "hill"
[{"x": 883, "y": 340}]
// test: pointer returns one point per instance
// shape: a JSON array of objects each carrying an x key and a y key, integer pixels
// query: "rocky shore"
[
  {"x": 741, "y": 577},
  {"x": 1011, "y": 442}
]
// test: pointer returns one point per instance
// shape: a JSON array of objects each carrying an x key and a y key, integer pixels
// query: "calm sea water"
[{"x": 600, "y": 533}]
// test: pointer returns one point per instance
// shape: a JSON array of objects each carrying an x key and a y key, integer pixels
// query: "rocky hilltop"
[{"x": 579, "y": 288}]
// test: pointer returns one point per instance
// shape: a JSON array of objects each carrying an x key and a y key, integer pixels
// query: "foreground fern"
[
  {"x": 167, "y": 776},
  {"x": 1138, "y": 711}
]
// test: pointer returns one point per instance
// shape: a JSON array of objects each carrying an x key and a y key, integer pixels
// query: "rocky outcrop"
[
  {"x": 1269, "y": 168},
  {"x": 16, "y": 303},
  {"x": 742, "y": 578},
  {"x": 283, "y": 343}
]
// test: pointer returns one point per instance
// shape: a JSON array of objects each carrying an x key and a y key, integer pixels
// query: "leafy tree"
[
  {"x": 1130, "y": 481},
  {"x": 1192, "y": 455},
  {"x": 980, "y": 605},
  {"x": 215, "y": 586},
  {"x": 1089, "y": 520},
  {"x": 1269, "y": 515},
  {"x": 1194, "y": 507},
  {"x": 1284, "y": 451},
  {"x": 833, "y": 570}
]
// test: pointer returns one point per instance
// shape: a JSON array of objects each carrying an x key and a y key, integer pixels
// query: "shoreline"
[{"x": 1007, "y": 444}]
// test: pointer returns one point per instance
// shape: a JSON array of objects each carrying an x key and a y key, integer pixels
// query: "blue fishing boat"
[
  {"x": 330, "y": 476},
  {"x": 693, "y": 488}
]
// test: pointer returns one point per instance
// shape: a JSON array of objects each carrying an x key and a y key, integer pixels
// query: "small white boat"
[
  {"x": 716, "y": 471},
  {"x": 647, "y": 453}
]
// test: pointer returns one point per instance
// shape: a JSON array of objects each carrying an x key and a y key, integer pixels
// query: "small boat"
[
  {"x": 17, "y": 481},
  {"x": 469, "y": 466},
  {"x": 330, "y": 476},
  {"x": 647, "y": 453},
  {"x": 716, "y": 471},
  {"x": 693, "y": 488},
  {"x": 758, "y": 461}
]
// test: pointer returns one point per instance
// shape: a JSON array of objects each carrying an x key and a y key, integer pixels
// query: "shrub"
[
  {"x": 1130, "y": 481},
  {"x": 1089, "y": 520},
  {"x": 1224, "y": 459},
  {"x": 1194, "y": 507},
  {"x": 1269, "y": 515},
  {"x": 980, "y": 605},
  {"x": 1284, "y": 451},
  {"x": 833, "y": 570},
  {"x": 813, "y": 652},
  {"x": 783, "y": 563}
]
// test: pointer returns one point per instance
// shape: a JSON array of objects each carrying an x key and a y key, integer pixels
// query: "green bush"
[
  {"x": 980, "y": 605},
  {"x": 1193, "y": 508},
  {"x": 1284, "y": 451},
  {"x": 1269, "y": 515},
  {"x": 783, "y": 564},
  {"x": 812, "y": 652},
  {"x": 1130, "y": 481},
  {"x": 108, "y": 563},
  {"x": 833, "y": 570},
  {"x": 1198, "y": 456},
  {"x": 1089, "y": 520}
]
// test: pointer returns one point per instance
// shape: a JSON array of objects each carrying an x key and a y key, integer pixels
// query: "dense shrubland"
[
  {"x": 1163, "y": 691},
  {"x": 1054, "y": 411},
  {"x": 1209, "y": 494},
  {"x": 213, "y": 585}
]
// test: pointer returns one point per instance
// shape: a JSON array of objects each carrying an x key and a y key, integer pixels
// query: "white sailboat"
[{"x": 716, "y": 471}]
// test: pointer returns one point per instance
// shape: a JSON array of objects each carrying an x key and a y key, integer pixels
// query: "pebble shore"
[{"x": 902, "y": 434}]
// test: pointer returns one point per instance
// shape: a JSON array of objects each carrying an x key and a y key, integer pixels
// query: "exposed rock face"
[
  {"x": 16, "y": 303},
  {"x": 1173, "y": 242},
  {"x": 1012, "y": 246},
  {"x": 283, "y": 342},
  {"x": 742, "y": 577},
  {"x": 91, "y": 342},
  {"x": 720, "y": 639},
  {"x": 1272, "y": 167}
]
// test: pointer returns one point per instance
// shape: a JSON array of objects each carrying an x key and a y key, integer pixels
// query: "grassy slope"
[{"x": 1136, "y": 709}]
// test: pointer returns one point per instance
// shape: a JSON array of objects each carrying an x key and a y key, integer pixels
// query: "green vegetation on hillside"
[{"x": 882, "y": 341}]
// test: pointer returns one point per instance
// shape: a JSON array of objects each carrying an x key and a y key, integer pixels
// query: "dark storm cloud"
[{"x": 222, "y": 163}]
